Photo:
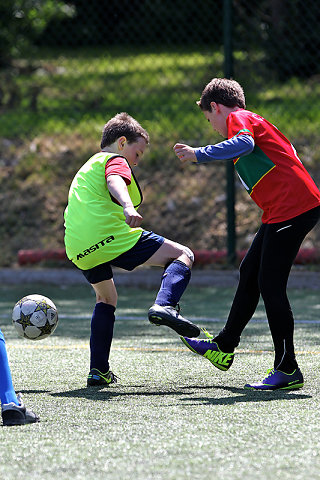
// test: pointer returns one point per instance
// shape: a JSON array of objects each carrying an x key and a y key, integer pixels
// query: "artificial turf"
[{"x": 171, "y": 415}]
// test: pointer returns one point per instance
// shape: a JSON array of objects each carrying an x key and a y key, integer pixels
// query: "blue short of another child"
[{"x": 145, "y": 247}]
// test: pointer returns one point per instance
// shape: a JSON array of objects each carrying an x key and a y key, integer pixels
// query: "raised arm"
[{"x": 227, "y": 150}]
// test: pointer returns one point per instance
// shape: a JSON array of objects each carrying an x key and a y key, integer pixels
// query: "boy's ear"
[
  {"x": 215, "y": 106},
  {"x": 121, "y": 142}
]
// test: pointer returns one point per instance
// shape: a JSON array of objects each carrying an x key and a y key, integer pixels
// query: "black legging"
[{"x": 265, "y": 270}]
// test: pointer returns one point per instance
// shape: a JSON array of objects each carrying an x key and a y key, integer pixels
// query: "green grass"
[
  {"x": 73, "y": 91},
  {"x": 76, "y": 90},
  {"x": 172, "y": 415}
]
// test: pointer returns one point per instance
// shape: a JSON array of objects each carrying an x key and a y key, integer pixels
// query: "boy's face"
[
  {"x": 217, "y": 119},
  {"x": 132, "y": 151}
]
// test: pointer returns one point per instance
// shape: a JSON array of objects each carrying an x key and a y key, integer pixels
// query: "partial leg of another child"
[{"x": 12, "y": 408}]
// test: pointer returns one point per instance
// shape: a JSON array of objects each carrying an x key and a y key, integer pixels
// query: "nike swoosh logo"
[{"x": 283, "y": 228}]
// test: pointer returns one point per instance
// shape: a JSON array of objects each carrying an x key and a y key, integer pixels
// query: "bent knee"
[
  {"x": 106, "y": 293},
  {"x": 187, "y": 256},
  {"x": 189, "y": 253},
  {"x": 109, "y": 300}
]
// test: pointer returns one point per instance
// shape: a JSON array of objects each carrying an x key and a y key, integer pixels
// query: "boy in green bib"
[{"x": 102, "y": 228}]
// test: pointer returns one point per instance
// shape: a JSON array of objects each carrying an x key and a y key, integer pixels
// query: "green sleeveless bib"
[{"x": 95, "y": 228}]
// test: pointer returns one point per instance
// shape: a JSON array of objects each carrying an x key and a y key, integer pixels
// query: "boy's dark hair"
[
  {"x": 224, "y": 91},
  {"x": 122, "y": 125}
]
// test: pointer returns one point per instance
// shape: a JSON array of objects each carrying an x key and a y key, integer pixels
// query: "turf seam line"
[{"x": 146, "y": 349}]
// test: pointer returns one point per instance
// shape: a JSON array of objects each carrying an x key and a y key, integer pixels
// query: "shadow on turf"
[
  {"x": 241, "y": 394},
  {"x": 248, "y": 396},
  {"x": 33, "y": 391}
]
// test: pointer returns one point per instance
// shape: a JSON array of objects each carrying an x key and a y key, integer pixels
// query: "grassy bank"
[{"x": 54, "y": 107}]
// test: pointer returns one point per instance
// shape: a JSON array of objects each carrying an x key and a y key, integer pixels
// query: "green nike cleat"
[{"x": 95, "y": 377}]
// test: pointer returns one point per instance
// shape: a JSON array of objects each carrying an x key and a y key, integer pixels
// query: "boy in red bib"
[{"x": 276, "y": 180}]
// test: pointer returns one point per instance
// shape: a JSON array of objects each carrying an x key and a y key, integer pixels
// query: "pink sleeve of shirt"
[{"x": 118, "y": 166}]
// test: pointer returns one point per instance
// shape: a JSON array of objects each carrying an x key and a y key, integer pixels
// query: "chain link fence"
[{"x": 67, "y": 67}]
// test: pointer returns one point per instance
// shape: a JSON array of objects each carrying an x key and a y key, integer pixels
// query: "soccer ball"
[{"x": 35, "y": 317}]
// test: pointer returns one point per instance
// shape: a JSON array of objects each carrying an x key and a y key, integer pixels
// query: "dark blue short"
[{"x": 145, "y": 247}]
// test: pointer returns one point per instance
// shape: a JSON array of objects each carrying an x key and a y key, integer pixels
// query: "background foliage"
[{"x": 67, "y": 67}]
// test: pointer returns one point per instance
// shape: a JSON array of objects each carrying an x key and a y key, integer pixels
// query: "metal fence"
[{"x": 66, "y": 67}]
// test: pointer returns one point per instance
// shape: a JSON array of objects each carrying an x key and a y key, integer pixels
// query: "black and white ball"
[{"x": 35, "y": 317}]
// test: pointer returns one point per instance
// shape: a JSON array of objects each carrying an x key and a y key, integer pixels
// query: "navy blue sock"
[
  {"x": 102, "y": 323},
  {"x": 175, "y": 280}
]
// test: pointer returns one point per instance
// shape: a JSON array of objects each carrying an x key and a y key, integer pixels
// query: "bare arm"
[{"x": 118, "y": 189}]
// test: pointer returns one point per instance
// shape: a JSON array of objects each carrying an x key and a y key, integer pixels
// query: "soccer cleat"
[
  {"x": 13, "y": 414},
  {"x": 277, "y": 380},
  {"x": 209, "y": 349},
  {"x": 95, "y": 377},
  {"x": 169, "y": 316}
]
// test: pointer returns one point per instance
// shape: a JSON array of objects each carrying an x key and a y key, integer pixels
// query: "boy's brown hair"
[
  {"x": 224, "y": 91},
  {"x": 122, "y": 125}
]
